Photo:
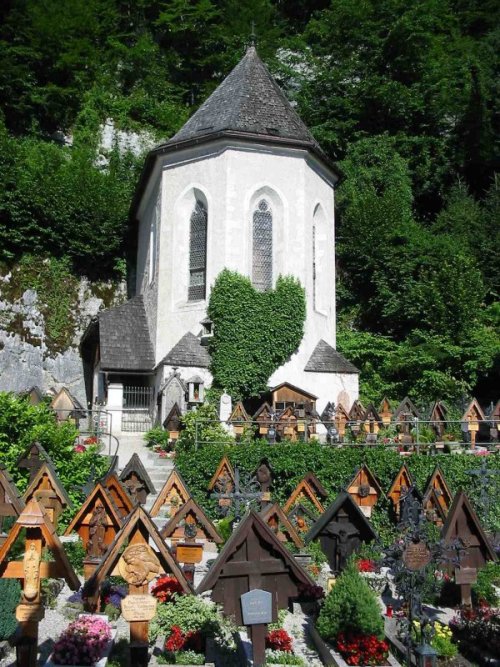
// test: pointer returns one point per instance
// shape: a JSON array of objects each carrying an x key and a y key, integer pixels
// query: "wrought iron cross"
[
  {"x": 243, "y": 494},
  {"x": 485, "y": 475}
]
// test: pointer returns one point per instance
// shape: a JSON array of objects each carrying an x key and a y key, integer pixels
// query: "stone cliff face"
[{"x": 27, "y": 354}]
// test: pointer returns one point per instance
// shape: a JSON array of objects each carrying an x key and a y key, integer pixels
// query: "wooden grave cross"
[
  {"x": 32, "y": 459},
  {"x": 48, "y": 490},
  {"x": 40, "y": 533},
  {"x": 254, "y": 559},
  {"x": 306, "y": 490},
  {"x": 118, "y": 494},
  {"x": 97, "y": 523},
  {"x": 138, "y": 564},
  {"x": 485, "y": 475},
  {"x": 11, "y": 503},
  {"x": 173, "y": 495},
  {"x": 136, "y": 480}
]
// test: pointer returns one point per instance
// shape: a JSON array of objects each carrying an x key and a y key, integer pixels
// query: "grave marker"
[
  {"x": 136, "y": 480},
  {"x": 32, "y": 459},
  {"x": 118, "y": 494},
  {"x": 173, "y": 495},
  {"x": 365, "y": 489},
  {"x": 304, "y": 491},
  {"x": 48, "y": 490},
  {"x": 11, "y": 503},
  {"x": 281, "y": 525}
]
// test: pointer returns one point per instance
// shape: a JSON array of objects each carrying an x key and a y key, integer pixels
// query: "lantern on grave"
[{"x": 426, "y": 656}]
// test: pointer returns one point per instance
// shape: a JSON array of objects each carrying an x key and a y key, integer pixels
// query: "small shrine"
[
  {"x": 301, "y": 518},
  {"x": 372, "y": 421},
  {"x": 365, "y": 489},
  {"x": 264, "y": 418},
  {"x": 222, "y": 481},
  {"x": 32, "y": 459},
  {"x": 119, "y": 496},
  {"x": 401, "y": 485},
  {"x": 281, "y": 525},
  {"x": 40, "y": 535},
  {"x": 173, "y": 423},
  {"x": 136, "y": 480},
  {"x": 437, "y": 418},
  {"x": 97, "y": 523},
  {"x": 442, "y": 493},
  {"x": 287, "y": 424},
  {"x": 239, "y": 419},
  {"x": 190, "y": 524},
  {"x": 433, "y": 509},
  {"x": 385, "y": 411},
  {"x": 11, "y": 503},
  {"x": 173, "y": 495},
  {"x": 304, "y": 492},
  {"x": 406, "y": 411},
  {"x": 341, "y": 530},
  {"x": 357, "y": 412},
  {"x": 133, "y": 557},
  {"x": 472, "y": 419},
  {"x": 67, "y": 406},
  {"x": 48, "y": 490},
  {"x": 462, "y": 524}
]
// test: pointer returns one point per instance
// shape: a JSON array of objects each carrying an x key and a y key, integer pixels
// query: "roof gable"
[
  {"x": 342, "y": 501},
  {"x": 192, "y": 510},
  {"x": 188, "y": 351},
  {"x": 224, "y": 471},
  {"x": 118, "y": 493},
  {"x": 99, "y": 495},
  {"x": 325, "y": 359},
  {"x": 173, "y": 493},
  {"x": 281, "y": 525},
  {"x": 357, "y": 411},
  {"x": 11, "y": 503},
  {"x": 437, "y": 482},
  {"x": 303, "y": 491},
  {"x": 47, "y": 474},
  {"x": 461, "y": 508},
  {"x": 406, "y": 407}
]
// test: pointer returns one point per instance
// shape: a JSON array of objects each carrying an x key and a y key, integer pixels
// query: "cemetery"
[{"x": 258, "y": 552}]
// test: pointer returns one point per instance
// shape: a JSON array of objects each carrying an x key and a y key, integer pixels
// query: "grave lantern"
[{"x": 426, "y": 656}]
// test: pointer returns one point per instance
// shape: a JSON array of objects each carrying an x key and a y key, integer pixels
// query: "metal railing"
[{"x": 95, "y": 427}]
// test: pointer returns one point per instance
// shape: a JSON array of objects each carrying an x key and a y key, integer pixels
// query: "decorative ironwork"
[
  {"x": 137, "y": 408},
  {"x": 197, "y": 253},
  {"x": 262, "y": 262},
  {"x": 246, "y": 492},
  {"x": 488, "y": 480}
]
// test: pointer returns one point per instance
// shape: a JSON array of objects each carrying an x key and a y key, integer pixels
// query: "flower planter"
[
  {"x": 329, "y": 656},
  {"x": 101, "y": 663}
]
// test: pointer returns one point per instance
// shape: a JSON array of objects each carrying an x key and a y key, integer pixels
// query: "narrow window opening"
[
  {"x": 262, "y": 260},
  {"x": 197, "y": 253}
]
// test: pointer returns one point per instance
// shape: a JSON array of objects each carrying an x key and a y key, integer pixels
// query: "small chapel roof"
[
  {"x": 125, "y": 343},
  {"x": 326, "y": 359},
  {"x": 188, "y": 352},
  {"x": 250, "y": 101}
]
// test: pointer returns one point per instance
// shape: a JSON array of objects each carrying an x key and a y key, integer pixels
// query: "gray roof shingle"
[
  {"x": 325, "y": 359},
  {"x": 248, "y": 101},
  {"x": 188, "y": 352},
  {"x": 125, "y": 343}
]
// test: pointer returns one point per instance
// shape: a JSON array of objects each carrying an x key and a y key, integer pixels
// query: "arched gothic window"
[
  {"x": 262, "y": 259},
  {"x": 197, "y": 252}
]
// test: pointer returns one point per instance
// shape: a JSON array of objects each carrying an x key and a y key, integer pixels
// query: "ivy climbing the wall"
[{"x": 254, "y": 332}]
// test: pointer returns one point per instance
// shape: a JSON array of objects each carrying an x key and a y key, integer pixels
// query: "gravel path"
[{"x": 296, "y": 625}]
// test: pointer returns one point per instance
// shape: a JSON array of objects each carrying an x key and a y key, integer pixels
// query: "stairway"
[{"x": 157, "y": 468}]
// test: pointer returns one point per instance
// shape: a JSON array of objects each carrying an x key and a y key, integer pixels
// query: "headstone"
[
  {"x": 402, "y": 483},
  {"x": 257, "y": 607},
  {"x": 239, "y": 419},
  {"x": 472, "y": 417},
  {"x": 341, "y": 529},
  {"x": 302, "y": 518},
  {"x": 437, "y": 490},
  {"x": 385, "y": 411},
  {"x": 173, "y": 422},
  {"x": 225, "y": 408}
]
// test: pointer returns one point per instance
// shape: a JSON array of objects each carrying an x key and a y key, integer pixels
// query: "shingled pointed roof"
[
  {"x": 325, "y": 359},
  {"x": 188, "y": 352},
  {"x": 248, "y": 101},
  {"x": 125, "y": 343}
]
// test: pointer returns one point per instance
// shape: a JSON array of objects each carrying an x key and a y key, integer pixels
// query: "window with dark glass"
[
  {"x": 262, "y": 258},
  {"x": 197, "y": 253}
]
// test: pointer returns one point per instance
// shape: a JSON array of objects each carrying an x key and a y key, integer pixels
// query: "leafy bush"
[
  {"x": 484, "y": 589},
  {"x": 10, "y": 595},
  {"x": 254, "y": 332},
  {"x": 75, "y": 551},
  {"x": 350, "y": 607},
  {"x": 181, "y": 658},
  {"x": 158, "y": 437},
  {"x": 283, "y": 658}
]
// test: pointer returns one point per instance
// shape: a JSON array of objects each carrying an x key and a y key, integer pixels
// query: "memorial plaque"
[
  {"x": 465, "y": 575},
  {"x": 416, "y": 556},
  {"x": 257, "y": 607},
  {"x": 189, "y": 553},
  {"x": 139, "y": 607},
  {"x": 139, "y": 564},
  {"x": 29, "y": 613}
]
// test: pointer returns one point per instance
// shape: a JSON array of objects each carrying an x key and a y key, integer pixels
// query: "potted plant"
[
  {"x": 86, "y": 641},
  {"x": 350, "y": 621},
  {"x": 158, "y": 440}
]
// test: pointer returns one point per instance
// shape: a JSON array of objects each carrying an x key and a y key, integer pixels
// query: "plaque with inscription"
[
  {"x": 29, "y": 613},
  {"x": 465, "y": 575},
  {"x": 139, "y": 607},
  {"x": 416, "y": 556},
  {"x": 257, "y": 607},
  {"x": 189, "y": 553}
]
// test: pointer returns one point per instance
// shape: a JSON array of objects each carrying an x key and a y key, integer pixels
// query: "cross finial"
[{"x": 253, "y": 36}]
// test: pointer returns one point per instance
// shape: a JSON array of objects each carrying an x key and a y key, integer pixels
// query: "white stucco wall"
[{"x": 231, "y": 178}]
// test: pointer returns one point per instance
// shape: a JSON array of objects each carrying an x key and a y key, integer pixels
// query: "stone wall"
[{"x": 25, "y": 360}]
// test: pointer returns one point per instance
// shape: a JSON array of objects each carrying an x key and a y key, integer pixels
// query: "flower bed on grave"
[
  {"x": 186, "y": 623},
  {"x": 86, "y": 641},
  {"x": 279, "y": 649},
  {"x": 477, "y": 631},
  {"x": 351, "y": 623}
]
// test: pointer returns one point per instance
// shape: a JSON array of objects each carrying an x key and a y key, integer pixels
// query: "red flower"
[
  {"x": 165, "y": 588},
  {"x": 279, "y": 640},
  {"x": 362, "y": 649},
  {"x": 176, "y": 640},
  {"x": 79, "y": 449},
  {"x": 366, "y": 565}
]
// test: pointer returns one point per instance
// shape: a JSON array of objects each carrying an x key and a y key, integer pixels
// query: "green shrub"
[
  {"x": 75, "y": 551},
  {"x": 283, "y": 658},
  {"x": 181, "y": 658},
  {"x": 10, "y": 594},
  {"x": 158, "y": 437},
  {"x": 351, "y": 606},
  {"x": 487, "y": 578}
]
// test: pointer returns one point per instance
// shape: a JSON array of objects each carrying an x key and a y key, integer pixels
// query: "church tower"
[{"x": 243, "y": 185}]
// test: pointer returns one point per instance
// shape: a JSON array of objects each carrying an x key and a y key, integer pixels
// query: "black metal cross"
[
  {"x": 485, "y": 475},
  {"x": 243, "y": 494}
]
